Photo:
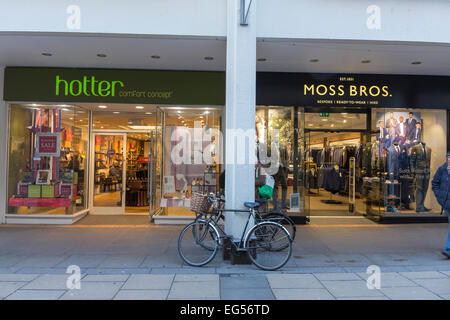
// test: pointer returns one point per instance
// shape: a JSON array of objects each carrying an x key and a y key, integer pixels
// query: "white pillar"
[
  {"x": 240, "y": 114},
  {"x": 3, "y": 150}
]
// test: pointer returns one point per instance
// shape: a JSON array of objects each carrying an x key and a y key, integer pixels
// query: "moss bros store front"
[
  {"x": 352, "y": 145},
  {"x": 101, "y": 141}
]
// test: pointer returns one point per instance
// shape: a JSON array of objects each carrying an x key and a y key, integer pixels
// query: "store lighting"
[
  {"x": 345, "y": 121},
  {"x": 148, "y": 113},
  {"x": 142, "y": 127},
  {"x": 103, "y": 107},
  {"x": 116, "y": 112},
  {"x": 206, "y": 112},
  {"x": 139, "y": 107}
]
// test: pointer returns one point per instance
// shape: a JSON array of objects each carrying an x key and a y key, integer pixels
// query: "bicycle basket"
[{"x": 199, "y": 202}]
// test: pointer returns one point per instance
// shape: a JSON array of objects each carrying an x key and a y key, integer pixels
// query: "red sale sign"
[{"x": 48, "y": 144}]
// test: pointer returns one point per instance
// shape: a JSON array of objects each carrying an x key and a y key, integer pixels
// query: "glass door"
[{"x": 109, "y": 173}]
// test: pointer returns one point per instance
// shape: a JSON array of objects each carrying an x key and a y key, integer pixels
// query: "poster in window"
[{"x": 48, "y": 144}]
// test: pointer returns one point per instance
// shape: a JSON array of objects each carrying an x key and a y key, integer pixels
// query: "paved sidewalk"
[
  {"x": 328, "y": 262},
  {"x": 431, "y": 285}
]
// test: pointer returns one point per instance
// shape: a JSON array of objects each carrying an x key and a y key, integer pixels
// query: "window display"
[
  {"x": 406, "y": 150},
  {"x": 47, "y": 153},
  {"x": 191, "y": 157}
]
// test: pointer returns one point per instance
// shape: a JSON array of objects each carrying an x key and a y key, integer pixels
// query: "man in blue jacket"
[{"x": 441, "y": 189}]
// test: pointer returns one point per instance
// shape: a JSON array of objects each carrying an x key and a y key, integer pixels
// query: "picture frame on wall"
[{"x": 43, "y": 177}]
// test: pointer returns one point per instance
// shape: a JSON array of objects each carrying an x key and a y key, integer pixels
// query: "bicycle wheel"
[
  {"x": 269, "y": 245},
  {"x": 198, "y": 243},
  {"x": 284, "y": 220}
]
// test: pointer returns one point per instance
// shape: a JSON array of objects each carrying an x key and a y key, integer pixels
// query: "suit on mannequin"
[{"x": 420, "y": 161}]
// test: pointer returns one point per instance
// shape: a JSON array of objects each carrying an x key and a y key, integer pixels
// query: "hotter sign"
[{"x": 48, "y": 144}]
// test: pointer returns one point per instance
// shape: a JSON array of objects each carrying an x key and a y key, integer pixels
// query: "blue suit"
[{"x": 385, "y": 140}]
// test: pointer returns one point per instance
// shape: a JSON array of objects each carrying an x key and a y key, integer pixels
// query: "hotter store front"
[
  {"x": 110, "y": 142},
  {"x": 355, "y": 145}
]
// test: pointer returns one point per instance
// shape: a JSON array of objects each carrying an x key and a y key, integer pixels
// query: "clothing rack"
[{"x": 331, "y": 200}]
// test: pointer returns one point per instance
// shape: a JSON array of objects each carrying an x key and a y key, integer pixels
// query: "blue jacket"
[{"x": 441, "y": 186}]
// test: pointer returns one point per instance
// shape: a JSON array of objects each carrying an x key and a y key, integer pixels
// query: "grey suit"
[{"x": 420, "y": 162}]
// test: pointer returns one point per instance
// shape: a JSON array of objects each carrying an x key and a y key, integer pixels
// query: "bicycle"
[
  {"x": 267, "y": 243},
  {"x": 218, "y": 203}
]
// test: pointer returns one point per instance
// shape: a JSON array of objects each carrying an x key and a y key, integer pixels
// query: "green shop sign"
[{"x": 114, "y": 86}]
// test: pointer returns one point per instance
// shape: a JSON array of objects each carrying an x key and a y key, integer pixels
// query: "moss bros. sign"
[
  {"x": 359, "y": 90},
  {"x": 114, "y": 85}
]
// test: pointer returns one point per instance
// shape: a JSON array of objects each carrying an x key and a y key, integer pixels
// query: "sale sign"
[{"x": 48, "y": 144}]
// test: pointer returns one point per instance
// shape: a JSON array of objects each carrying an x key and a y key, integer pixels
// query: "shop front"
[
  {"x": 355, "y": 145},
  {"x": 107, "y": 142}
]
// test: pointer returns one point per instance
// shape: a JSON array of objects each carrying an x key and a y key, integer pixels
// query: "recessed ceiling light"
[
  {"x": 116, "y": 112},
  {"x": 139, "y": 107},
  {"x": 314, "y": 60},
  {"x": 209, "y": 58},
  {"x": 65, "y": 109},
  {"x": 262, "y": 59},
  {"x": 156, "y": 57},
  {"x": 101, "y": 55},
  {"x": 416, "y": 62},
  {"x": 148, "y": 113},
  {"x": 345, "y": 121},
  {"x": 365, "y": 61},
  {"x": 47, "y": 54},
  {"x": 206, "y": 112},
  {"x": 103, "y": 107}
]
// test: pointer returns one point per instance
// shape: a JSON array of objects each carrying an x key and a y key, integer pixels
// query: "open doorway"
[{"x": 333, "y": 149}]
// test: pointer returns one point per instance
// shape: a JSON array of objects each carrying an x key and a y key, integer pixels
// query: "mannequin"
[{"x": 420, "y": 161}]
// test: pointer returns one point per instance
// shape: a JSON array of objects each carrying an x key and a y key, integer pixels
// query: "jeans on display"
[
  {"x": 421, "y": 191},
  {"x": 283, "y": 197},
  {"x": 447, "y": 245}
]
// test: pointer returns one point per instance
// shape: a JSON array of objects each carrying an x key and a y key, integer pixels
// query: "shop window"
[
  {"x": 191, "y": 146},
  {"x": 47, "y": 165},
  {"x": 407, "y": 147}
]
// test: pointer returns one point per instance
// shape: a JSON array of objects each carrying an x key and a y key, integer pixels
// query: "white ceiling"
[{"x": 189, "y": 54}]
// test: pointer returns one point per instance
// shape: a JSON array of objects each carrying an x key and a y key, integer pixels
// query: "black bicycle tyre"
[
  {"x": 250, "y": 236},
  {"x": 213, "y": 251},
  {"x": 283, "y": 217}
]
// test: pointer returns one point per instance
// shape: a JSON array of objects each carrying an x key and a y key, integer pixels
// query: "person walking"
[{"x": 441, "y": 189}]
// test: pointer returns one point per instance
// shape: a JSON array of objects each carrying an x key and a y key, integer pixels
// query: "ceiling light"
[
  {"x": 148, "y": 113},
  {"x": 101, "y": 127},
  {"x": 345, "y": 121},
  {"x": 178, "y": 111},
  {"x": 206, "y": 112},
  {"x": 101, "y": 55},
  {"x": 139, "y": 107},
  {"x": 156, "y": 57},
  {"x": 209, "y": 58},
  {"x": 314, "y": 60},
  {"x": 103, "y": 107},
  {"x": 416, "y": 62},
  {"x": 65, "y": 109},
  {"x": 46, "y": 54},
  {"x": 365, "y": 61},
  {"x": 116, "y": 112}
]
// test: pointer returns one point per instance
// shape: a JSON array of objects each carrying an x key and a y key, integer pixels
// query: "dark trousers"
[
  {"x": 421, "y": 190},
  {"x": 404, "y": 191}
]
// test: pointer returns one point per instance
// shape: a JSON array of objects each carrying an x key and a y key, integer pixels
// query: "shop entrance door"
[{"x": 109, "y": 173}]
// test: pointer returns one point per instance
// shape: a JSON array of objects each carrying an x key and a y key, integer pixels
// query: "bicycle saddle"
[{"x": 252, "y": 204}]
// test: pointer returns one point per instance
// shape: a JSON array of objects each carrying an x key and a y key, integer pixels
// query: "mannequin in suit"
[
  {"x": 382, "y": 138},
  {"x": 410, "y": 124},
  {"x": 391, "y": 125},
  {"x": 420, "y": 161},
  {"x": 414, "y": 135}
]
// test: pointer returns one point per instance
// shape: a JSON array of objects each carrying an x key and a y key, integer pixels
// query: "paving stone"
[
  {"x": 411, "y": 293},
  {"x": 17, "y": 277},
  {"x": 142, "y": 295},
  {"x": 195, "y": 290},
  {"x": 302, "y": 294},
  {"x": 354, "y": 288},
  {"x": 40, "y": 261},
  {"x": 313, "y": 260},
  {"x": 196, "y": 277},
  {"x": 93, "y": 291},
  {"x": 117, "y": 271},
  {"x": 246, "y": 294},
  {"x": 336, "y": 276},
  {"x": 9, "y": 260},
  {"x": 182, "y": 271},
  {"x": 293, "y": 281},
  {"x": 423, "y": 275},
  {"x": 438, "y": 286},
  {"x": 148, "y": 281},
  {"x": 391, "y": 279},
  {"x": 48, "y": 282},
  {"x": 445, "y": 296},
  {"x": 106, "y": 277},
  {"x": 7, "y": 288},
  {"x": 122, "y": 261},
  {"x": 447, "y": 273},
  {"x": 83, "y": 260},
  {"x": 364, "y": 298},
  {"x": 36, "y": 295},
  {"x": 249, "y": 282},
  {"x": 351, "y": 260},
  {"x": 34, "y": 270}
]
